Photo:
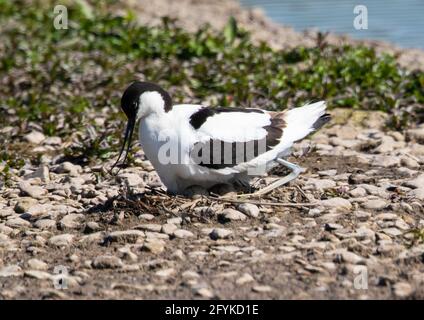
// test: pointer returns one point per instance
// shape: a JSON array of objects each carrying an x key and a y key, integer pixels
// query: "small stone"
[
  {"x": 342, "y": 255},
  {"x": 415, "y": 183},
  {"x": 146, "y": 216},
  {"x": 176, "y": 221},
  {"x": 229, "y": 214},
  {"x": 36, "y": 264},
  {"x": 24, "y": 204},
  {"x": 127, "y": 254},
  {"x": 416, "y": 134},
  {"x": 321, "y": 184},
  {"x": 126, "y": 236},
  {"x": 190, "y": 275},
  {"x": 245, "y": 278},
  {"x": 10, "y": 271},
  {"x": 149, "y": 227},
  {"x": 34, "y": 137},
  {"x": 417, "y": 193},
  {"x": 362, "y": 215},
  {"x": 393, "y": 232},
  {"x": 35, "y": 192},
  {"x": 70, "y": 168},
  {"x": 165, "y": 273},
  {"x": 168, "y": 228},
  {"x": 45, "y": 224},
  {"x": 71, "y": 221},
  {"x": 42, "y": 172},
  {"x": 182, "y": 234},
  {"x": 220, "y": 233},
  {"x": 92, "y": 226},
  {"x": 249, "y": 209},
  {"x": 337, "y": 203},
  {"x": 154, "y": 246},
  {"x": 107, "y": 262},
  {"x": 205, "y": 293},
  {"x": 358, "y": 192},
  {"x": 332, "y": 226},
  {"x": 17, "y": 223},
  {"x": 130, "y": 179},
  {"x": 376, "y": 204},
  {"x": 262, "y": 289},
  {"x": 37, "y": 274},
  {"x": 62, "y": 240},
  {"x": 402, "y": 289}
]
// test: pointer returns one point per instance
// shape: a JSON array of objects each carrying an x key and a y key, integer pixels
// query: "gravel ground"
[
  {"x": 354, "y": 227},
  {"x": 124, "y": 237}
]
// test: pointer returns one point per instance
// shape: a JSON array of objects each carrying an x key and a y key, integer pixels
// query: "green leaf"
[{"x": 230, "y": 30}]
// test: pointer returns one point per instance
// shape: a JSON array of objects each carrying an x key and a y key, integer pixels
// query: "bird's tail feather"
[{"x": 303, "y": 120}]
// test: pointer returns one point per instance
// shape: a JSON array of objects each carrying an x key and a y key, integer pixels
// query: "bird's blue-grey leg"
[{"x": 295, "y": 171}]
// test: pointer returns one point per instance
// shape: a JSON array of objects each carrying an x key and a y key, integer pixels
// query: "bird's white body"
[{"x": 163, "y": 133}]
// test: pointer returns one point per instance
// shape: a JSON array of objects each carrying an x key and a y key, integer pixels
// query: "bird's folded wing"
[{"x": 229, "y": 137}]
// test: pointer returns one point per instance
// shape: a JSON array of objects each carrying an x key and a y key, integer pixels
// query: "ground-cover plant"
[{"x": 65, "y": 81}]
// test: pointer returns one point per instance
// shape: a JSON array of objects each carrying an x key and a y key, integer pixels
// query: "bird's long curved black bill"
[{"x": 128, "y": 137}]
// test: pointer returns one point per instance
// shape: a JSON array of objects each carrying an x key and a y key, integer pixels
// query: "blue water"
[{"x": 397, "y": 21}]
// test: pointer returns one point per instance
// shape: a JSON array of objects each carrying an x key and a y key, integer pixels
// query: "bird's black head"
[{"x": 139, "y": 100}]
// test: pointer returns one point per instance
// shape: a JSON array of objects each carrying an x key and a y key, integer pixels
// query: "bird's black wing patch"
[
  {"x": 198, "y": 118},
  {"x": 218, "y": 154}
]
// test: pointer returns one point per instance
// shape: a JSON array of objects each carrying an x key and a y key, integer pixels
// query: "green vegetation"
[{"x": 62, "y": 80}]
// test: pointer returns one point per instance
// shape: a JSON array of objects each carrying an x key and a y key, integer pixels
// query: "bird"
[{"x": 199, "y": 145}]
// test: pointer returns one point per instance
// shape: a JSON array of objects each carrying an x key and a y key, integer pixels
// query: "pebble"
[
  {"x": 126, "y": 236},
  {"x": 205, "y": 293},
  {"x": 34, "y": 137},
  {"x": 249, "y": 209},
  {"x": 149, "y": 227},
  {"x": 35, "y": 192},
  {"x": 262, "y": 289},
  {"x": 165, "y": 273},
  {"x": 377, "y": 204},
  {"x": 245, "y": 278},
  {"x": 107, "y": 262},
  {"x": 182, "y": 234},
  {"x": 42, "y": 173},
  {"x": 146, "y": 216},
  {"x": 402, "y": 289},
  {"x": 70, "y": 168},
  {"x": 337, "y": 203},
  {"x": 92, "y": 226},
  {"x": 358, "y": 192},
  {"x": 220, "y": 233},
  {"x": 17, "y": 223},
  {"x": 45, "y": 224},
  {"x": 38, "y": 274},
  {"x": 229, "y": 214},
  {"x": 24, "y": 204},
  {"x": 321, "y": 184},
  {"x": 10, "y": 271},
  {"x": 415, "y": 183},
  {"x": 71, "y": 221},
  {"x": 130, "y": 179},
  {"x": 417, "y": 193},
  {"x": 62, "y": 240},
  {"x": 154, "y": 246},
  {"x": 37, "y": 264},
  {"x": 168, "y": 228}
]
